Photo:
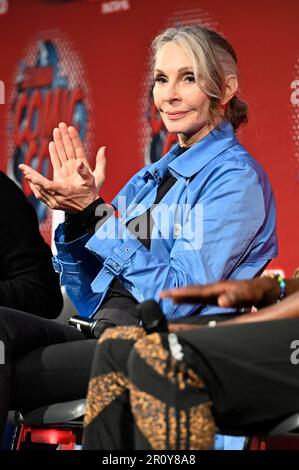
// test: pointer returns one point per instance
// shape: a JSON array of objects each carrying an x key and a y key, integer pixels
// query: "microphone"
[
  {"x": 89, "y": 327},
  {"x": 152, "y": 318}
]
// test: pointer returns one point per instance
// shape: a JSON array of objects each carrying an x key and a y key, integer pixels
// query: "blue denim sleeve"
[{"x": 77, "y": 268}]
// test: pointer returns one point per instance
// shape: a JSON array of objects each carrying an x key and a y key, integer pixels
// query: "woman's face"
[{"x": 182, "y": 104}]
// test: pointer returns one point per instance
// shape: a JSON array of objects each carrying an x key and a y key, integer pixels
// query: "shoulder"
[
  {"x": 13, "y": 199},
  {"x": 233, "y": 173},
  {"x": 238, "y": 161},
  {"x": 8, "y": 186}
]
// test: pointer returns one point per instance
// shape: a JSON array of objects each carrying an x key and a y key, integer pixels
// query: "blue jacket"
[{"x": 218, "y": 221}]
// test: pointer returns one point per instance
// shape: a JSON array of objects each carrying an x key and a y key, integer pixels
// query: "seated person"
[
  {"x": 205, "y": 211},
  {"x": 27, "y": 278},
  {"x": 178, "y": 388}
]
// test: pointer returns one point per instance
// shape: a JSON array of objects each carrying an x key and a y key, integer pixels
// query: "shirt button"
[
  {"x": 127, "y": 249},
  {"x": 115, "y": 264}
]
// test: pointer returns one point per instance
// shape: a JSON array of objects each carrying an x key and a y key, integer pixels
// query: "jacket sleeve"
[
  {"x": 215, "y": 237},
  {"x": 77, "y": 268},
  {"x": 28, "y": 281}
]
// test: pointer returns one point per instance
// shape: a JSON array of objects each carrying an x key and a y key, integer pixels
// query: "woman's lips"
[{"x": 177, "y": 115}]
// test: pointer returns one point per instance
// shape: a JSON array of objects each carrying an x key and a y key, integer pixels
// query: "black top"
[
  {"x": 136, "y": 226},
  {"x": 27, "y": 279}
]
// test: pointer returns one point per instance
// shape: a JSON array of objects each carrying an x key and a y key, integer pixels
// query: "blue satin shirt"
[{"x": 218, "y": 221}]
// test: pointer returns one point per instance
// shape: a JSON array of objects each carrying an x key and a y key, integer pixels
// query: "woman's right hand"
[{"x": 74, "y": 184}]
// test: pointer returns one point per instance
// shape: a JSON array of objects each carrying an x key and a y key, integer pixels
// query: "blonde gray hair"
[{"x": 213, "y": 59}]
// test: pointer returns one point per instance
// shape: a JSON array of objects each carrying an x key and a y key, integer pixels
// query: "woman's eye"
[
  {"x": 189, "y": 78},
  {"x": 160, "y": 79}
]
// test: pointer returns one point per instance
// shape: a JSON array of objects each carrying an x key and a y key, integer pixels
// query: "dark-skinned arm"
[{"x": 262, "y": 292}]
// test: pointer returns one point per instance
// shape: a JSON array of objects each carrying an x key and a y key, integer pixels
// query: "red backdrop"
[{"x": 86, "y": 61}]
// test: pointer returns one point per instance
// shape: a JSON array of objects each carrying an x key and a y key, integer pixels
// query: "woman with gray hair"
[{"x": 203, "y": 212}]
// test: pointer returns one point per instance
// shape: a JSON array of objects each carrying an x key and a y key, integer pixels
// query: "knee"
[
  {"x": 114, "y": 347},
  {"x": 126, "y": 333},
  {"x": 148, "y": 353},
  {"x": 9, "y": 324}
]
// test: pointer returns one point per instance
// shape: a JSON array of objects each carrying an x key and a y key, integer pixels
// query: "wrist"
[
  {"x": 282, "y": 287},
  {"x": 274, "y": 289},
  {"x": 88, "y": 202},
  {"x": 82, "y": 206}
]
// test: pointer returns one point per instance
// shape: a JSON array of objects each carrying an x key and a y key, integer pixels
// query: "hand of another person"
[
  {"x": 74, "y": 184},
  {"x": 177, "y": 327},
  {"x": 259, "y": 292}
]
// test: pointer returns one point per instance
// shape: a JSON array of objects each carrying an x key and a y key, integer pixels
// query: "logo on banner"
[
  {"x": 115, "y": 6},
  {"x": 46, "y": 91},
  {"x": 3, "y": 7}
]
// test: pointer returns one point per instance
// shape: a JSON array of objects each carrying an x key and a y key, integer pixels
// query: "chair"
[
  {"x": 59, "y": 425},
  {"x": 283, "y": 436}
]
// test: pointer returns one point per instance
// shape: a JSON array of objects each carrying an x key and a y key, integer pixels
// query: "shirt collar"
[
  {"x": 200, "y": 154},
  {"x": 196, "y": 157},
  {"x": 158, "y": 169}
]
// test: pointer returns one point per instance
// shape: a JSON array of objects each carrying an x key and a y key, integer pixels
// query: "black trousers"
[
  {"x": 239, "y": 378},
  {"x": 46, "y": 361}
]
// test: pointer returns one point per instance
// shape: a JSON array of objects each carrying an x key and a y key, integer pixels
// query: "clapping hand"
[{"x": 74, "y": 184}]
